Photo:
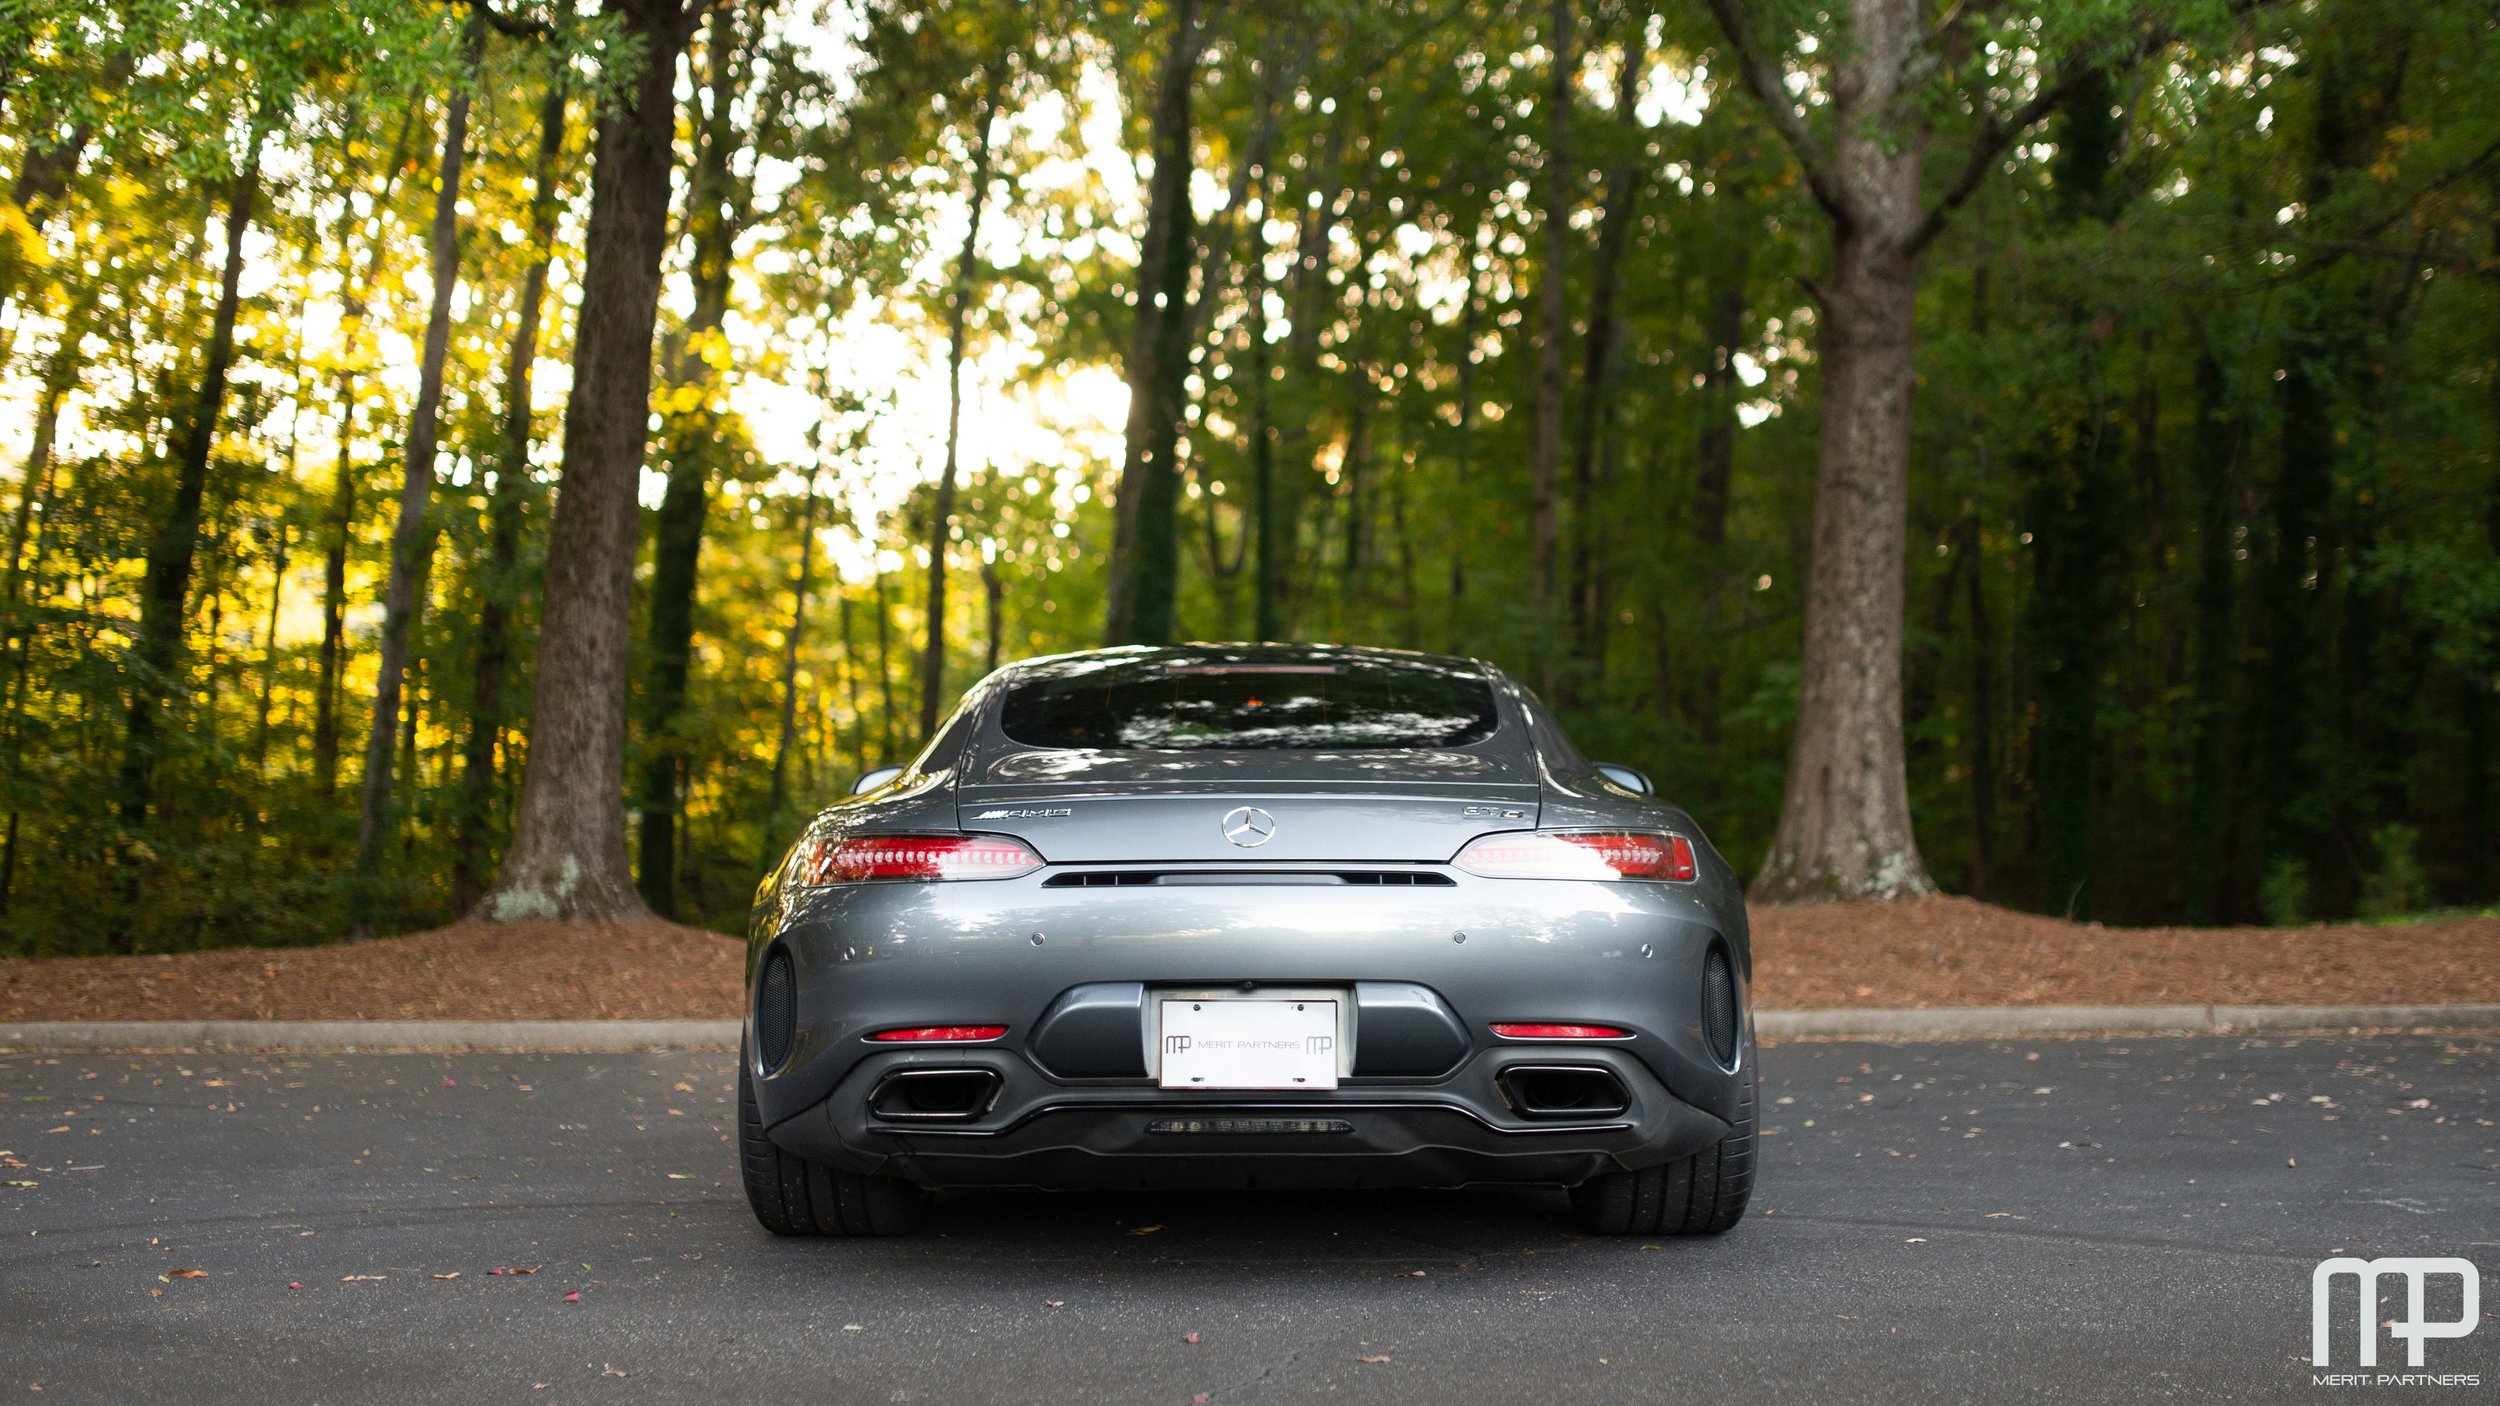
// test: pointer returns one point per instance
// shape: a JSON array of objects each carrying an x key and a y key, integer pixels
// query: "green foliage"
[
  {"x": 2398, "y": 885},
  {"x": 2204, "y": 598},
  {"x": 2286, "y": 895}
]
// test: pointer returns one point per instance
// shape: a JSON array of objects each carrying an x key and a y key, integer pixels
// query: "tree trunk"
[
  {"x": 790, "y": 669},
  {"x": 885, "y": 676},
  {"x": 412, "y": 541},
  {"x": 994, "y": 591},
  {"x": 1468, "y": 332},
  {"x": 342, "y": 523},
  {"x": 156, "y": 647},
  {"x": 567, "y": 858},
  {"x": 1983, "y": 742},
  {"x": 487, "y": 703},
  {"x": 1599, "y": 368},
  {"x": 1545, "y": 450},
  {"x": 1267, "y": 572},
  {"x": 715, "y": 213},
  {"x": 1714, "y": 469},
  {"x": 1145, "y": 545},
  {"x": 2210, "y": 880},
  {"x": 942, "y": 511},
  {"x": 1844, "y": 829}
]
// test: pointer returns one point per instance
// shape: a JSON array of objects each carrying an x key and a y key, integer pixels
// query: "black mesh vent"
[
  {"x": 1718, "y": 1006},
  {"x": 776, "y": 1010}
]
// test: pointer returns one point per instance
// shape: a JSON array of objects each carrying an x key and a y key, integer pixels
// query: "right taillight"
[{"x": 1581, "y": 854}]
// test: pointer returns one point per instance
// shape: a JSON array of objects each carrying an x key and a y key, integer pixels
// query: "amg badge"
[{"x": 1025, "y": 813}]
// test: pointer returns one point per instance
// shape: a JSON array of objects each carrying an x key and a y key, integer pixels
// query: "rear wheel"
[
  {"x": 793, "y": 1196},
  {"x": 1703, "y": 1194}
]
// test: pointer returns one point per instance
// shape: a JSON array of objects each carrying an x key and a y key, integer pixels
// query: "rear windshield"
[{"x": 1189, "y": 706}]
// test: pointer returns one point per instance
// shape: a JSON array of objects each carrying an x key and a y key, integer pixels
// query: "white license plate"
[{"x": 1222, "y": 1044}]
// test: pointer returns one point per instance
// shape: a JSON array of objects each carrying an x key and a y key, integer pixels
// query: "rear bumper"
[
  {"x": 1426, "y": 968},
  {"x": 1040, "y": 1131}
]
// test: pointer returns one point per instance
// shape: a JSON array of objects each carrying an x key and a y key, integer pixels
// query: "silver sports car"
[{"x": 1249, "y": 916}]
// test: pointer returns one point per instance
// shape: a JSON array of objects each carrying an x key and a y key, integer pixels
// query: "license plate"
[{"x": 1222, "y": 1044}]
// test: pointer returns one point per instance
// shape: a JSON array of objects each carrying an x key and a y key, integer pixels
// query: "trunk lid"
[{"x": 1247, "y": 808}]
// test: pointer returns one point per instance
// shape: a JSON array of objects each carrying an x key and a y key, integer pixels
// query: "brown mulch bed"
[
  {"x": 1959, "y": 952},
  {"x": 469, "y": 971},
  {"x": 1934, "y": 952}
]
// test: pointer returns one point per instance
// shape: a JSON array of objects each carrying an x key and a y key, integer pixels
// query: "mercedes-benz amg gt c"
[{"x": 1249, "y": 916}]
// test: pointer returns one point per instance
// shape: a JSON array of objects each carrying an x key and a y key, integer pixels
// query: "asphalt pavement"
[{"x": 2033, "y": 1220}]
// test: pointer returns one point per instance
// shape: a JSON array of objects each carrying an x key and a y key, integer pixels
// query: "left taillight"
[
  {"x": 1581, "y": 854},
  {"x": 859, "y": 859}
]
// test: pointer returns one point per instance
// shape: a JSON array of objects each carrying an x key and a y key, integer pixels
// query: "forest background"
[{"x": 524, "y": 458}]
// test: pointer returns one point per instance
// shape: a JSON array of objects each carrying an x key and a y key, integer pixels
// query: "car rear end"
[{"x": 1249, "y": 917}]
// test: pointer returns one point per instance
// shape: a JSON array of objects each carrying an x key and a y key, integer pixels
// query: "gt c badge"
[{"x": 1249, "y": 826}]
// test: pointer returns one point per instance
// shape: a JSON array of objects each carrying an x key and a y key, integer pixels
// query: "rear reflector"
[
  {"x": 853, "y": 859},
  {"x": 940, "y": 1034},
  {"x": 1581, "y": 854},
  {"x": 1535, "y": 1031}
]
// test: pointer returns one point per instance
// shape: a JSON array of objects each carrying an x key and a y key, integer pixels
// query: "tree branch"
[
  {"x": 1997, "y": 133},
  {"x": 1763, "y": 74},
  {"x": 511, "y": 25}
]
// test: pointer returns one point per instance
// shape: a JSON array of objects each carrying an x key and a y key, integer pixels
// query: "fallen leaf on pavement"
[
  {"x": 574, "y": 1296},
  {"x": 1054, "y": 1303},
  {"x": 853, "y": 1328},
  {"x": 362, "y": 1278},
  {"x": 1141, "y": 1230},
  {"x": 450, "y": 1083},
  {"x": 1191, "y": 1338},
  {"x": 294, "y": 1284},
  {"x": 187, "y": 1274},
  {"x": 1374, "y": 1361},
  {"x": 453, "y": 1275},
  {"x": 65, "y": 1128}
]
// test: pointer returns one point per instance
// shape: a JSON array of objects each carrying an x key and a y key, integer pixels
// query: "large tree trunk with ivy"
[
  {"x": 567, "y": 857},
  {"x": 1145, "y": 546}
]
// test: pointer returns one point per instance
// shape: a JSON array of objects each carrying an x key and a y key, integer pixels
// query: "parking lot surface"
[{"x": 2068, "y": 1220}]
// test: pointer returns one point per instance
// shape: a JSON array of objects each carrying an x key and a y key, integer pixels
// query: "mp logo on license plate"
[{"x": 1220, "y": 1044}]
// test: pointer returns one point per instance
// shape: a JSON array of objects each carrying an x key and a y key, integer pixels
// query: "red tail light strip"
[
  {"x": 1536, "y": 1031},
  {"x": 854, "y": 859},
  {"x": 1581, "y": 854}
]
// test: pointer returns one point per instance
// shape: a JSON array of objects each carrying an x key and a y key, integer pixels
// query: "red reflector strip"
[
  {"x": 1534, "y": 1031},
  {"x": 940, "y": 1034}
]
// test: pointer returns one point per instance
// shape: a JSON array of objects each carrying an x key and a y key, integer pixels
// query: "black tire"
[
  {"x": 793, "y": 1196},
  {"x": 1703, "y": 1194}
]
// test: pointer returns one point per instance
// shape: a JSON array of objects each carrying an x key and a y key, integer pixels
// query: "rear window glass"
[{"x": 1214, "y": 705}]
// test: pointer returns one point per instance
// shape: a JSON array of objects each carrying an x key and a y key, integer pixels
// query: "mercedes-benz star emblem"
[{"x": 1249, "y": 826}]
